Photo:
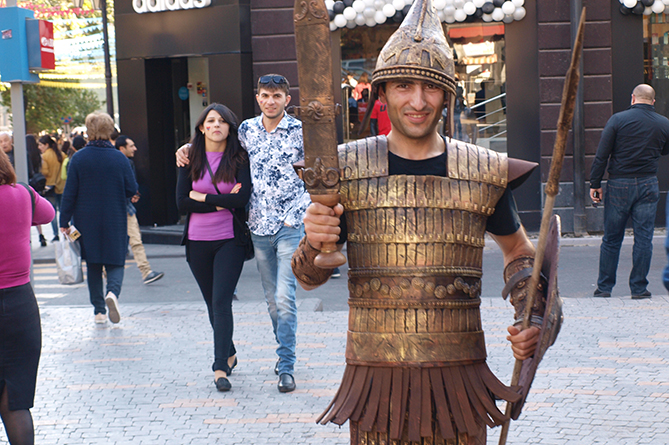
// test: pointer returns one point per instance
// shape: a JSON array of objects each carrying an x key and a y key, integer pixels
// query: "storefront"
[{"x": 510, "y": 64}]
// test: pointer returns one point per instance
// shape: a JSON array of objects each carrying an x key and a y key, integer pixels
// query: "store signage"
[
  {"x": 142, "y": 6},
  {"x": 40, "y": 45}
]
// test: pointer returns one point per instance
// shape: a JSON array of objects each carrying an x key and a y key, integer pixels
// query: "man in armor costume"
[{"x": 417, "y": 206}]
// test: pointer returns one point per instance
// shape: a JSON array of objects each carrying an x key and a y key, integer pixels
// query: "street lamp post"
[{"x": 101, "y": 5}]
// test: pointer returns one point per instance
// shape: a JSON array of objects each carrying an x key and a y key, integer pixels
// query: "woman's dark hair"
[
  {"x": 78, "y": 142},
  {"x": 233, "y": 156},
  {"x": 34, "y": 155},
  {"x": 7, "y": 174},
  {"x": 48, "y": 140}
]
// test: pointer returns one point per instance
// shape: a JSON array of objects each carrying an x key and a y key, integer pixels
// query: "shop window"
[
  {"x": 480, "y": 112},
  {"x": 656, "y": 58}
]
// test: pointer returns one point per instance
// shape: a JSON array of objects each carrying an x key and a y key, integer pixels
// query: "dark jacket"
[
  {"x": 633, "y": 139},
  {"x": 98, "y": 183},
  {"x": 236, "y": 202}
]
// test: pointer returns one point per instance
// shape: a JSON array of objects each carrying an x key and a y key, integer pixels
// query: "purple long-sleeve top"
[{"x": 15, "y": 221}]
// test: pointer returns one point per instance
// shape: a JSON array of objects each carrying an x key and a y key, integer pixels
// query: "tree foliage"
[{"x": 45, "y": 106}]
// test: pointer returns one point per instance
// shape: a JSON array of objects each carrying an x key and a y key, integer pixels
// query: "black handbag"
[
  {"x": 37, "y": 182},
  {"x": 247, "y": 242}
]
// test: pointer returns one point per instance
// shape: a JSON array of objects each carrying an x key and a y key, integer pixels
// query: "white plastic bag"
[{"x": 68, "y": 261}]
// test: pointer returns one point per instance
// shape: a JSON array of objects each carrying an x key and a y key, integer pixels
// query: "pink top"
[
  {"x": 215, "y": 225},
  {"x": 15, "y": 222}
]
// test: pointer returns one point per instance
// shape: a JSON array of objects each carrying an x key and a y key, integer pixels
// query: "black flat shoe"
[
  {"x": 234, "y": 365},
  {"x": 223, "y": 384},
  {"x": 286, "y": 383}
]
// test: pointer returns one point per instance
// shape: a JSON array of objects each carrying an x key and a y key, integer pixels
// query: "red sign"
[{"x": 46, "y": 45}]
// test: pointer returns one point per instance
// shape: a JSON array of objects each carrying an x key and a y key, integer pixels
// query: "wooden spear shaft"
[{"x": 552, "y": 189}]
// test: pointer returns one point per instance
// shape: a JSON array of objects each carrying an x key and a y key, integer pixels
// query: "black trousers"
[{"x": 216, "y": 266}]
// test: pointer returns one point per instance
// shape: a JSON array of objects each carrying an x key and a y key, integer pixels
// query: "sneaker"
[
  {"x": 153, "y": 276},
  {"x": 645, "y": 294},
  {"x": 112, "y": 305},
  {"x": 601, "y": 294},
  {"x": 100, "y": 318},
  {"x": 336, "y": 273}
]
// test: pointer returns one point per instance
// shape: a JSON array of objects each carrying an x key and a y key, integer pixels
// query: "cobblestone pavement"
[{"x": 147, "y": 380}]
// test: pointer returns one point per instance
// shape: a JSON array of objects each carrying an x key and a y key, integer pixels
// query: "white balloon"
[
  {"x": 657, "y": 7},
  {"x": 666, "y": 2},
  {"x": 369, "y": 2},
  {"x": 487, "y": 17},
  {"x": 450, "y": 19},
  {"x": 508, "y": 8},
  {"x": 479, "y": 3},
  {"x": 469, "y": 8},
  {"x": 408, "y": 2},
  {"x": 629, "y": 3},
  {"x": 449, "y": 10},
  {"x": 370, "y": 22},
  {"x": 380, "y": 17},
  {"x": 349, "y": 13},
  {"x": 389, "y": 10},
  {"x": 340, "y": 21},
  {"x": 497, "y": 15},
  {"x": 358, "y": 6},
  {"x": 647, "y": 11},
  {"x": 369, "y": 12},
  {"x": 351, "y": 24},
  {"x": 519, "y": 3},
  {"x": 333, "y": 27},
  {"x": 398, "y": 4},
  {"x": 519, "y": 13},
  {"x": 360, "y": 19},
  {"x": 329, "y": 4},
  {"x": 439, "y": 4},
  {"x": 441, "y": 15},
  {"x": 379, "y": 4},
  {"x": 460, "y": 15},
  {"x": 507, "y": 19},
  {"x": 458, "y": 3}
]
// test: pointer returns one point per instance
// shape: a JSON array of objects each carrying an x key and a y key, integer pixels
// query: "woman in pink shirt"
[
  {"x": 20, "y": 331},
  {"x": 214, "y": 237}
]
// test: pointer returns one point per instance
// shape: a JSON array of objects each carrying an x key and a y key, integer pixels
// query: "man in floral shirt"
[
  {"x": 279, "y": 199},
  {"x": 273, "y": 141}
]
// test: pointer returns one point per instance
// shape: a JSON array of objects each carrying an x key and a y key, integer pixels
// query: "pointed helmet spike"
[{"x": 417, "y": 50}]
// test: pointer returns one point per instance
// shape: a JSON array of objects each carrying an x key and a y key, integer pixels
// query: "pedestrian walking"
[
  {"x": 273, "y": 141},
  {"x": 98, "y": 183},
  {"x": 127, "y": 146},
  {"x": 215, "y": 205},
  {"x": 631, "y": 143},
  {"x": 34, "y": 167},
  {"x": 52, "y": 160},
  {"x": 416, "y": 368},
  {"x": 20, "y": 331}
]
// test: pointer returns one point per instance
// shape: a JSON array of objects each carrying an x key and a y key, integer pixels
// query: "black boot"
[{"x": 42, "y": 240}]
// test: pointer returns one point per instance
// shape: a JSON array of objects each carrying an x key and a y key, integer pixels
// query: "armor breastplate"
[{"x": 415, "y": 246}]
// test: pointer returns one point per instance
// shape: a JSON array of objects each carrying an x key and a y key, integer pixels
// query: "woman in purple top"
[
  {"x": 20, "y": 332},
  {"x": 213, "y": 235}
]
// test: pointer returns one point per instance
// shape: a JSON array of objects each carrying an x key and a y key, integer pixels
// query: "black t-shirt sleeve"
[{"x": 505, "y": 220}]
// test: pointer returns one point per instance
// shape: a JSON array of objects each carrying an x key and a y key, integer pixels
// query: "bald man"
[{"x": 631, "y": 143}]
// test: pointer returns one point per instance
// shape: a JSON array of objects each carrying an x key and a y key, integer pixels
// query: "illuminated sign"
[{"x": 142, "y": 6}]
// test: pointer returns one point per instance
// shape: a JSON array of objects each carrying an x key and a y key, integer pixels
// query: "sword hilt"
[{"x": 330, "y": 257}]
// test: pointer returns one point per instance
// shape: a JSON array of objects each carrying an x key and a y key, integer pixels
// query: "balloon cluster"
[
  {"x": 645, "y": 7},
  {"x": 352, "y": 13}
]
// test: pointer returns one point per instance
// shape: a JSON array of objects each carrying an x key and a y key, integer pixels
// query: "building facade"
[{"x": 511, "y": 73}]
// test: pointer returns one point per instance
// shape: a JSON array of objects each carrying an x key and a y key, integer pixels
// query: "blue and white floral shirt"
[{"x": 279, "y": 196}]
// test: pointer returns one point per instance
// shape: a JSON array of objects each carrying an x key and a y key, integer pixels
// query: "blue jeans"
[
  {"x": 273, "y": 255},
  {"x": 665, "y": 275},
  {"x": 624, "y": 198},
  {"x": 55, "y": 202},
  {"x": 114, "y": 282}
]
